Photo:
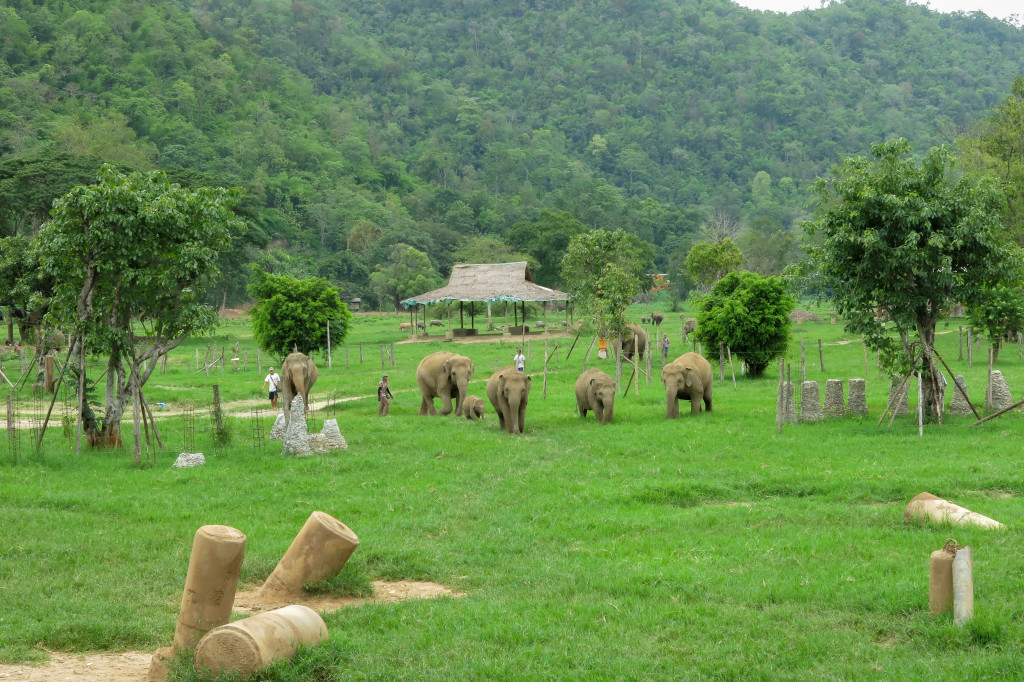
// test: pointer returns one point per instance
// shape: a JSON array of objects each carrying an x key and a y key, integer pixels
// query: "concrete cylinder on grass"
[
  {"x": 319, "y": 551},
  {"x": 810, "y": 403},
  {"x": 247, "y": 645},
  {"x": 940, "y": 579},
  {"x": 963, "y": 586},
  {"x": 1001, "y": 397},
  {"x": 213, "y": 570},
  {"x": 929, "y": 507},
  {"x": 857, "y": 403}
]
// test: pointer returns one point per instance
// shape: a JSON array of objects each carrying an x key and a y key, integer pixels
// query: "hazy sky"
[{"x": 1000, "y": 9}]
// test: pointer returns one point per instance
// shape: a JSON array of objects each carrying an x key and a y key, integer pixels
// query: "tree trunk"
[{"x": 926, "y": 321}]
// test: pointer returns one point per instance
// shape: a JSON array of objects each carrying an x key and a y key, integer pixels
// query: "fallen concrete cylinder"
[
  {"x": 928, "y": 506},
  {"x": 940, "y": 579},
  {"x": 319, "y": 551},
  {"x": 247, "y": 645},
  {"x": 213, "y": 569},
  {"x": 963, "y": 586}
]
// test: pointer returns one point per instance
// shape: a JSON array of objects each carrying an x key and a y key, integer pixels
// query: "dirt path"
[{"x": 133, "y": 666}]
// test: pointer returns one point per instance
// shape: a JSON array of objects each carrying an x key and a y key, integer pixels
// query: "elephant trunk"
[
  {"x": 599, "y": 411},
  {"x": 609, "y": 413},
  {"x": 459, "y": 394},
  {"x": 671, "y": 403},
  {"x": 512, "y": 418}
]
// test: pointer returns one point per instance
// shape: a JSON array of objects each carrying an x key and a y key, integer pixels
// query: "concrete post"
[
  {"x": 319, "y": 551},
  {"x": 213, "y": 570},
  {"x": 247, "y": 645}
]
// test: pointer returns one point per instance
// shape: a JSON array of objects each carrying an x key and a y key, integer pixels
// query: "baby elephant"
[
  {"x": 474, "y": 407},
  {"x": 595, "y": 391}
]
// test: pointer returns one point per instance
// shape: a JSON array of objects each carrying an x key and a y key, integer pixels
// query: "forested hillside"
[{"x": 478, "y": 129}]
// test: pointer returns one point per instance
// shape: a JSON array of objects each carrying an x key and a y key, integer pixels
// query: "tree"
[
  {"x": 294, "y": 313},
  {"x": 707, "y": 262},
  {"x": 604, "y": 271},
  {"x": 914, "y": 238},
  {"x": 408, "y": 273},
  {"x": 130, "y": 256},
  {"x": 749, "y": 313},
  {"x": 546, "y": 240},
  {"x": 29, "y": 184},
  {"x": 1000, "y": 313}
]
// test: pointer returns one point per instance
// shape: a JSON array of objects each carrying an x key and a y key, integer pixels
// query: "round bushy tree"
[
  {"x": 293, "y": 313},
  {"x": 1000, "y": 313},
  {"x": 749, "y": 313}
]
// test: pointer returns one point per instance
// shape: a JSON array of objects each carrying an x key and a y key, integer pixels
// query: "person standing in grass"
[
  {"x": 664, "y": 347},
  {"x": 519, "y": 360},
  {"x": 273, "y": 380},
  {"x": 384, "y": 397}
]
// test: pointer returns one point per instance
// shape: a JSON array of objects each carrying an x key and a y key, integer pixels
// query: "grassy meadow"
[{"x": 707, "y": 547}]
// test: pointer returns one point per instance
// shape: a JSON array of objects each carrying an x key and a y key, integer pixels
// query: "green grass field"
[{"x": 704, "y": 547}]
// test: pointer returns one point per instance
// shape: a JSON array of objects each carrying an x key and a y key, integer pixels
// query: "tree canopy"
[
  {"x": 129, "y": 257},
  {"x": 913, "y": 237},
  {"x": 748, "y": 313},
  {"x": 294, "y": 314},
  {"x": 604, "y": 271},
  {"x": 708, "y": 262}
]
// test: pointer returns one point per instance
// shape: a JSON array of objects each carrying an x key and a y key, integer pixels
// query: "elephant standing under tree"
[
  {"x": 508, "y": 390},
  {"x": 641, "y": 341},
  {"x": 688, "y": 377},
  {"x": 595, "y": 391},
  {"x": 445, "y": 376},
  {"x": 298, "y": 374}
]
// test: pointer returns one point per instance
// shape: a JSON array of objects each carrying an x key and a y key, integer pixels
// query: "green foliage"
[
  {"x": 996, "y": 147},
  {"x": 749, "y": 313},
  {"x": 912, "y": 237},
  {"x": 128, "y": 257},
  {"x": 604, "y": 271},
  {"x": 407, "y": 272},
  {"x": 1000, "y": 312},
  {"x": 293, "y": 313},
  {"x": 546, "y": 240},
  {"x": 708, "y": 262}
]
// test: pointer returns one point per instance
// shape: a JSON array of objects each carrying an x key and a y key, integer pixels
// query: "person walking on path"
[
  {"x": 273, "y": 380},
  {"x": 664, "y": 348},
  {"x": 519, "y": 361},
  {"x": 384, "y": 397}
]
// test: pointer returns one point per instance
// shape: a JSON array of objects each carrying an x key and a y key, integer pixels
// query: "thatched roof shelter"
[{"x": 492, "y": 282}]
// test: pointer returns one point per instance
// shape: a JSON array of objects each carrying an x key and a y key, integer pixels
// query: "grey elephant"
[
  {"x": 657, "y": 318},
  {"x": 689, "y": 326},
  {"x": 298, "y": 374},
  {"x": 508, "y": 391},
  {"x": 474, "y": 408},
  {"x": 641, "y": 341},
  {"x": 444, "y": 375},
  {"x": 688, "y": 377},
  {"x": 595, "y": 391}
]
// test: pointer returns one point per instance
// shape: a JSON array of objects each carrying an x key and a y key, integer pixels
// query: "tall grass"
[{"x": 705, "y": 547}]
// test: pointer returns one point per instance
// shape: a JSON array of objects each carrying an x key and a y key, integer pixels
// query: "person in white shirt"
[
  {"x": 274, "y": 380},
  {"x": 519, "y": 360}
]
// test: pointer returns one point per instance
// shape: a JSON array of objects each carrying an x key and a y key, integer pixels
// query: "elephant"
[
  {"x": 641, "y": 341},
  {"x": 645, "y": 320},
  {"x": 508, "y": 390},
  {"x": 445, "y": 376},
  {"x": 688, "y": 377},
  {"x": 689, "y": 326},
  {"x": 474, "y": 408},
  {"x": 657, "y": 318},
  {"x": 298, "y": 374},
  {"x": 595, "y": 391}
]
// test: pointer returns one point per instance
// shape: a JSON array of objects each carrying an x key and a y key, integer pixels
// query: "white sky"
[{"x": 999, "y": 9}]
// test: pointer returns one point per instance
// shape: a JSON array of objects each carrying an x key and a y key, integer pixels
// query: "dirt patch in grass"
[
  {"x": 133, "y": 666},
  {"x": 384, "y": 592}
]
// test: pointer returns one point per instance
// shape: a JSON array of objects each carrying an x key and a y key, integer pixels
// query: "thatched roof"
[{"x": 490, "y": 282}]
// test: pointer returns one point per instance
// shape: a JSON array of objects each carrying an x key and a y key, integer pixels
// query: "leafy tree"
[
  {"x": 997, "y": 147},
  {"x": 604, "y": 271},
  {"x": 1000, "y": 313},
  {"x": 708, "y": 262},
  {"x": 294, "y": 313},
  {"x": 914, "y": 238},
  {"x": 546, "y": 240},
  {"x": 749, "y": 313},
  {"x": 130, "y": 256},
  {"x": 408, "y": 273},
  {"x": 29, "y": 184}
]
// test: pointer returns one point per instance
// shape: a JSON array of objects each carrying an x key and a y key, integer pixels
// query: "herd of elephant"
[{"x": 446, "y": 376}]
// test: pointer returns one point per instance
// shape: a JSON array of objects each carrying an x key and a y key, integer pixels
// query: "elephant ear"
[
  {"x": 529, "y": 381},
  {"x": 689, "y": 377},
  {"x": 472, "y": 369},
  {"x": 592, "y": 380},
  {"x": 446, "y": 369}
]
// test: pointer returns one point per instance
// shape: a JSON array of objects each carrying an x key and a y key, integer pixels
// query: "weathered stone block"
[
  {"x": 810, "y": 402},
  {"x": 1000, "y": 393},
  {"x": 958, "y": 405},
  {"x": 834, "y": 404},
  {"x": 858, "y": 401}
]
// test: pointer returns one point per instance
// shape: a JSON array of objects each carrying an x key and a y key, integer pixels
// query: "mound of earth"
[{"x": 801, "y": 316}]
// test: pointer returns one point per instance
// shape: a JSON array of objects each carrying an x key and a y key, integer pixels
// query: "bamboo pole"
[
  {"x": 636, "y": 361},
  {"x": 803, "y": 362},
  {"x": 920, "y": 405},
  {"x": 732, "y": 370},
  {"x": 988, "y": 387},
  {"x": 587, "y": 358},
  {"x": 780, "y": 400},
  {"x": 328, "y": 345},
  {"x": 821, "y": 356},
  {"x": 545, "y": 386}
]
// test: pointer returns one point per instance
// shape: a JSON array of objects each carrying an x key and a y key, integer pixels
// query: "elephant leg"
[
  {"x": 425, "y": 405},
  {"x": 707, "y": 400},
  {"x": 695, "y": 404},
  {"x": 446, "y": 399}
]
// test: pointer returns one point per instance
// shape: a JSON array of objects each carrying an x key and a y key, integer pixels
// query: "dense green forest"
[{"x": 379, "y": 142}]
